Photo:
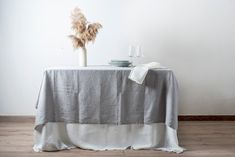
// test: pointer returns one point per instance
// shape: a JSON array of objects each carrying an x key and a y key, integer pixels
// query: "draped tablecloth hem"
[
  {"x": 60, "y": 136},
  {"x": 177, "y": 150}
]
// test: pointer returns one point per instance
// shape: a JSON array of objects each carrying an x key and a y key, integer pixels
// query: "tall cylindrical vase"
[{"x": 82, "y": 57}]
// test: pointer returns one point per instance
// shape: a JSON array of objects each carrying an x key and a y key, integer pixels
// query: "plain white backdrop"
[{"x": 195, "y": 38}]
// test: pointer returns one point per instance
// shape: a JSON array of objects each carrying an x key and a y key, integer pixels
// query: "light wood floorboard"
[{"x": 209, "y": 139}]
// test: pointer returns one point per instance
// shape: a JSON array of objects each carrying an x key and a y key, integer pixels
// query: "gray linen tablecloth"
[{"x": 106, "y": 96}]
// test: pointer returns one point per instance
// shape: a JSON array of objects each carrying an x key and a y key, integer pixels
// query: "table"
[{"x": 99, "y": 108}]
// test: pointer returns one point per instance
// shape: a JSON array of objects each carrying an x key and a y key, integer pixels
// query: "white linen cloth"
[
  {"x": 139, "y": 72},
  {"x": 58, "y": 135}
]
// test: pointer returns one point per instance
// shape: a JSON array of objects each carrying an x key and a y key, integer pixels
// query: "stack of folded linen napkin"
[{"x": 139, "y": 72}]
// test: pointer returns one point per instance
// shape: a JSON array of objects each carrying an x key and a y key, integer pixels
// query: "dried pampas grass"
[
  {"x": 77, "y": 42},
  {"x": 84, "y": 31}
]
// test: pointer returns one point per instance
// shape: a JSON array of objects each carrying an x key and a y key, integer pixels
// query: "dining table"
[{"x": 100, "y": 108}]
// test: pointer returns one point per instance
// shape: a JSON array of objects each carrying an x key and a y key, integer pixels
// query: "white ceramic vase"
[{"x": 82, "y": 57}]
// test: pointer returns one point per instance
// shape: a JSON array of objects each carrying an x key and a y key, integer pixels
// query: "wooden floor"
[{"x": 209, "y": 139}]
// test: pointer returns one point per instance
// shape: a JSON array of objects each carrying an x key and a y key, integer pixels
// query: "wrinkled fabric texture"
[{"x": 91, "y": 96}]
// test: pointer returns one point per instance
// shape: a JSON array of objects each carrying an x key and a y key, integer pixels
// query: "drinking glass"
[
  {"x": 138, "y": 53},
  {"x": 131, "y": 53}
]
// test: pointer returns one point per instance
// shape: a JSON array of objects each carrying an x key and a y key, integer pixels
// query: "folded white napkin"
[{"x": 139, "y": 72}]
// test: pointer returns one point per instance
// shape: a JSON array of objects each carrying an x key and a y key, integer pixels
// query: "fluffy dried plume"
[
  {"x": 84, "y": 31},
  {"x": 79, "y": 21}
]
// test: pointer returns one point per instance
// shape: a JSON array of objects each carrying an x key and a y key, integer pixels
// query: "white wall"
[{"x": 196, "y": 38}]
